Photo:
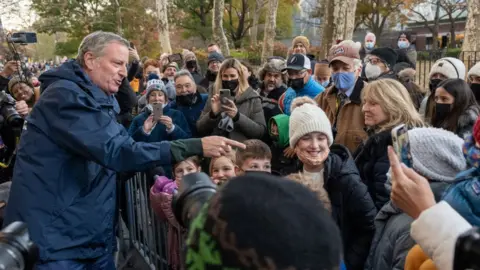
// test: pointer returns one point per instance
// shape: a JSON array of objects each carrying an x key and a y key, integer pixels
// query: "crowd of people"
[{"x": 321, "y": 127}]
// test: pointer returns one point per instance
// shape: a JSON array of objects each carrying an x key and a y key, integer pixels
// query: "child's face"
[
  {"x": 256, "y": 164},
  {"x": 222, "y": 170},
  {"x": 184, "y": 168},
  {"x": 273, "y": 129}
]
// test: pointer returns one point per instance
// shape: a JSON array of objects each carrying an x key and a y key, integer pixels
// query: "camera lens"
[
  {"x": 195, "y": 191},
  {"x": 16, "y": 249}
]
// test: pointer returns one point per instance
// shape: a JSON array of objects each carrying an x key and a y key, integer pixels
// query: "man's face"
[
  {"x": 296, "y": 74},
  {"x": 22, "y": 91},
  {"x": 214, "y": 48},
  {"x": 299, "y": 48},
  {"x": 272, "y": 80},
  {"x": 170, "y": 72},
  {"x": 338, "y": 66},
  {"x": 378, "y": 62},
  {"x": 108, "y": 70},
  {"x": 214, "y": 66},
  {"x": 184, "y": 86}
]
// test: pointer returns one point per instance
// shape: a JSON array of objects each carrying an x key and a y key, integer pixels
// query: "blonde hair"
[
  {"x": 314, "y": 186},
  {"x": 395, "y": 101},
  {"x": 242, "y": 80},
  {"x": 231, "y": 156}
]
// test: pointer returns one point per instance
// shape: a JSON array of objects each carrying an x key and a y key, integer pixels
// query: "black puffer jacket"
[
  {"x": 372, "y": 163},
  {"x": 352, "y": 206}
]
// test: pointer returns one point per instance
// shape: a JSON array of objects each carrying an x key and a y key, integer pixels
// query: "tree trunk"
[
  {"x": 162, "y": 26},
  {"x": 269, "y": 34},
  {"x": 217, "y": 26},
  {"x": 350, "y": 10},
  {"x": 328, "y": 29},
  {"x": 339, "y": 20},
  {"x": 471, "y": 43},
  {"x": 255, "y": 21},
  {"x": 453, "y": 41},
  {"x": 435, "y": 27}
]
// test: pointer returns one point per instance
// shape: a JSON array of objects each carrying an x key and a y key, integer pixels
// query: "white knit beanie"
[
  {"x": 436, "y": 153},
  {"x": 475, "y": 70},
  {"x": 306, "y": 119},
  {"x": 450, "y": 67}
]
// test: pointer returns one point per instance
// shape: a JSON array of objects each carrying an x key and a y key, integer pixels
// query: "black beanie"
[
  {"x": 260, "y": 221},
  {"x": 386, "y": 54}
]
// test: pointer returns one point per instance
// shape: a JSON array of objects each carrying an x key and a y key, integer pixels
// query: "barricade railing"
[{"x": 146, "y": 233}]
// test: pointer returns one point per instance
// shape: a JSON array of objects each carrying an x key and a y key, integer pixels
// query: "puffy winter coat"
[
  {"x": 352, "y": 206},
  {"x": 372, "y": 163}
]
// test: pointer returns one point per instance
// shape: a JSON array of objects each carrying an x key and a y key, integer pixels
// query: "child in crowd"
[
  {"x": 223, "y": 168},
  {"x": 161, "y": 195},
  {"x": 255, "y": 157}
]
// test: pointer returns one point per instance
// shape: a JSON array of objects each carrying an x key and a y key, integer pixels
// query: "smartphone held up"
[{"x": 401, "y": 144}]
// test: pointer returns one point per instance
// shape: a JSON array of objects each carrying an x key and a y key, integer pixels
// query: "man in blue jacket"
[
  {"x": 300, "y": 81},
  {"x": 64, "y": 177}
]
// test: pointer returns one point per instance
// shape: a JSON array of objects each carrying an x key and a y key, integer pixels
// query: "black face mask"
[
  {"x": 433, "y": 84},
  {"x": 187, "y": 100},
  {"x": 441, "y": 112},
  {"x": 296, "y": 84},
  {"x": 191, "y": 64},
  {"x": 476, "y": 90},
  {"x": 231, "y": 85}
]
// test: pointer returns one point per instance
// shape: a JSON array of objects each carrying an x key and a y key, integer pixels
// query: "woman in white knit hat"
[
  {"x": 332, "y": 167},
  {"x": 474, "y": 80},
  {"x": 444, "y": 68}
]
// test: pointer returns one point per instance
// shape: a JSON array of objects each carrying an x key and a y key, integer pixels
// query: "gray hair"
[
  {"x": 96, "y": 43},
  {"x": 183, "y": 72}
]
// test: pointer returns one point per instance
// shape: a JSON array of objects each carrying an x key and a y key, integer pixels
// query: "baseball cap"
[
  {"x": 298, "y": 62},
  {"x": 344, "y": 53}
]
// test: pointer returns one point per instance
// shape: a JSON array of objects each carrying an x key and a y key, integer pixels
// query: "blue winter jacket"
[
  {"x": 464, "y": 195},
  {"x": 159, "y": 132},
  {"x": 311, "y": 89},
  {"x": 192, "y": 113},
  {"x": 64, "y": 178}
]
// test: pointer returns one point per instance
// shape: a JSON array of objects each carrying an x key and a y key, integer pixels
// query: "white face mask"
[{"x": 372, "y": 71}]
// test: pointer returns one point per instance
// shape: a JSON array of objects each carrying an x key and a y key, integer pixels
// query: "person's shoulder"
[{"x": 204, "y": 96}]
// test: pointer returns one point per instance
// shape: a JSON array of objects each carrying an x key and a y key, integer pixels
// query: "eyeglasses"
[{"x": 181, "y": 87}]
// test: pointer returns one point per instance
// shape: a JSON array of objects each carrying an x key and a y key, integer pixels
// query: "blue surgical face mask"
[
  {"x": 344, "y": 80},
  {"x": 325, "y": 83},
  {"x": 403, "y": 44},
  {"x": 369, "y": 45}
]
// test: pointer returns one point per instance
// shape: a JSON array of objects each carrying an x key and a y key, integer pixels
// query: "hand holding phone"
[{"x": 401, "y": 144}]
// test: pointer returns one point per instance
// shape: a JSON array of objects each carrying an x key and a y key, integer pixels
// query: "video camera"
[
  {"x": 17, "y": 251},
  {"x": 21, "y": 38},
  {"x": 195, "y": 191}
]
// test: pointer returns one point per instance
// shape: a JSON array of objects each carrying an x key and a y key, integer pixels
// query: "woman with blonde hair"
[
  {"x": 239, "y": 118},
  {"x": 386, "y": 104}
]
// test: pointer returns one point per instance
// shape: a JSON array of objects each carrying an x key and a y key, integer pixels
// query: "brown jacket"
[
  {"x": 249, "y": 125},
  {"x": 350, "y": 122}
]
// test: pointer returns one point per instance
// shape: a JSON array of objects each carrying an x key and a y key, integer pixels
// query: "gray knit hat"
[
  {"x": 436, "y": 153},
  {"x": 308, "y": 118}
]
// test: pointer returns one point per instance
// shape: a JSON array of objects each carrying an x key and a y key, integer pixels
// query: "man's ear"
[
  {"x": 89, "y": 60},
  {"x": 309, "y": 71}
]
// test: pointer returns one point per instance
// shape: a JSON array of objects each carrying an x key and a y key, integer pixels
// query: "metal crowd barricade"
[{"x": 146, "y": 233}]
